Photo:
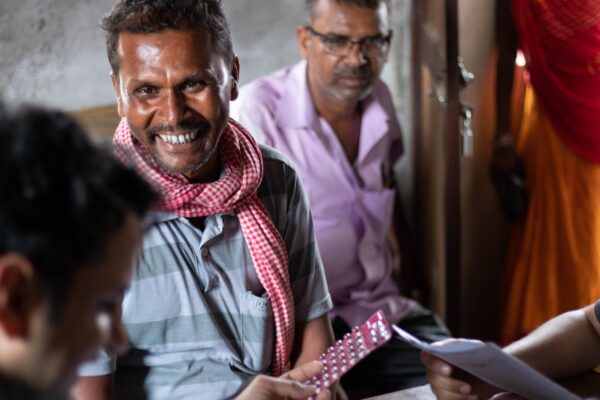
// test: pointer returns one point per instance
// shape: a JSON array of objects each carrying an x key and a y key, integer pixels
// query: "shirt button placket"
[
  {"x": 204, "y": 251},
  {"x": 212, "y": 278}
]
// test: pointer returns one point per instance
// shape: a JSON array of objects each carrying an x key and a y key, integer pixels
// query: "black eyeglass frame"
[{"x": 324, "y": 38}]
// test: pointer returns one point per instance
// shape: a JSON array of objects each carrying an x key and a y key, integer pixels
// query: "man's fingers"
[
  {"x": 443, "y": 385},
  {"x": 304, "y": 372},
  {"x": 290, "y": 389},
  {"x": 445, "y": 395},
  {"x": 324, "y": 395},
  {"x": 434, "y": 364},
  {"x": 448, "y": 385}
]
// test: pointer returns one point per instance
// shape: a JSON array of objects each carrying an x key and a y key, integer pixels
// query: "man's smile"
[{"x": 179, "y": 139}]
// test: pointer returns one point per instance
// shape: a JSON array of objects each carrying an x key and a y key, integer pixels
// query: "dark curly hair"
[
  {"x": 147, "y": 16},
  {"x": 62, "y": 196}
]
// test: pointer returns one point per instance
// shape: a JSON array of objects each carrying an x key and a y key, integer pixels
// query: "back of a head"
[
  {"x": 148, "y": 16},
  {"x": 61, "y": 196}
]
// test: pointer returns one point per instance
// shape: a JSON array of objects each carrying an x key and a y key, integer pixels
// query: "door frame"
[{"x": 452, "y": 181}]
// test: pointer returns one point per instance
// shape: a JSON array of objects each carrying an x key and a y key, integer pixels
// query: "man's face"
[
  {"x": 174, "y": 89},
  {"x": 90, "y": 317},
  {"x": 343, "y": 79}
]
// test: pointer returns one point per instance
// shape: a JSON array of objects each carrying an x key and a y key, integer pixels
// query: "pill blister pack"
[{"x": 348, "y": 351}]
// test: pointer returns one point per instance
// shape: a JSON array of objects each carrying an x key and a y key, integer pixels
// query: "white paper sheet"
[{"x": 489, "y": 363}]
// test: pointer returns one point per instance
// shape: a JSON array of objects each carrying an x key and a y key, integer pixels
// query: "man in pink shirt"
[{"x": 334, "y": 117}]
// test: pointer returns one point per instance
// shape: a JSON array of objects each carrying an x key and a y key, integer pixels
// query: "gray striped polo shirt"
[{"x": 199, "y": 321}]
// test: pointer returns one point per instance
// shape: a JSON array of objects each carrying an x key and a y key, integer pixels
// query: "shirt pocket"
[{"x": 257, "y": 332}]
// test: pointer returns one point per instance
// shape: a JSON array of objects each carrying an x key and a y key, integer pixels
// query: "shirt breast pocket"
[{"x": 257, "y": 332}]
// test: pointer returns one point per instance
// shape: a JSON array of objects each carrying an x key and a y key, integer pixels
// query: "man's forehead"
[
  {"x": 158, "y": 52},
  {"x": 155, "y": 42},
  {"x": 334, "y": 16}
]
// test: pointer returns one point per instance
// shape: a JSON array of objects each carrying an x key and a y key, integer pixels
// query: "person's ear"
[
  {"x": 303, "y": 37},
  {"x": 16, "y": 294},
  {"x": 235, "y": 78},
  {"x": 117, "y": 89}
]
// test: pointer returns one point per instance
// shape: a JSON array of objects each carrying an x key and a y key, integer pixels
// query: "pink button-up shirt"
[{"x": 352, "y": 203}]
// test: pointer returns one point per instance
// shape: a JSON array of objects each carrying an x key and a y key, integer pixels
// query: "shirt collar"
[
  {"x": 375, "y": 119},
  {"x": 296, "y": 96}
]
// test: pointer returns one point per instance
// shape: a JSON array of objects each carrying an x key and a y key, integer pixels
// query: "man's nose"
[
  {"x": 357, "y": 54},
  {"x": 174, "y": 108}
]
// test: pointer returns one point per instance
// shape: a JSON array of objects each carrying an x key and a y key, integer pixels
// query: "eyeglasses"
[{"x": 341, "y": 46}]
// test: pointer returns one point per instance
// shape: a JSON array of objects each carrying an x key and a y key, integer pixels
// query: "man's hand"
[
  {"x": 286, "y": 386},
  {"x": 443, "y": 385},
  {"x": 447, "y": 386}
]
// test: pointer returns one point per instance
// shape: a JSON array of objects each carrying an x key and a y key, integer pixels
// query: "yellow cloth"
[{"x": 553, "y": 262}]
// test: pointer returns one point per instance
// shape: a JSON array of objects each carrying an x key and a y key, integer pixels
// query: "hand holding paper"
[{"x": 489, "y": 363}]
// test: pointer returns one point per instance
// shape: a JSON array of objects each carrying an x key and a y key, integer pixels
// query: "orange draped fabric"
[{"x": 553, "y": 262}]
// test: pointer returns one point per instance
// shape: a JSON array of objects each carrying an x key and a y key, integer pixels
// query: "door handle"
[
  {"x": 466, "y": 77},
  {"x": 466, "y": 143}
]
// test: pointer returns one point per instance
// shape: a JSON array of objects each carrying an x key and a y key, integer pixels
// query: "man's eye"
[
  {"x": 335, "y": 41},
  {"x": 194, "y": 85},
  {"x": 376, "y": 41},
  {"x": 146, "y": 91}
]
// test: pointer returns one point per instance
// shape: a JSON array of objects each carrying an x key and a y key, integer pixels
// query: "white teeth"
[{"x": 179, "y": 139}]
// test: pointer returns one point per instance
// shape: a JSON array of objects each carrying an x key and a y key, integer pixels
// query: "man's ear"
[
  {"x": 303, "y": 37},
  {"x": 117, "y": 89},
  {"x": 17, "y": 294},
  {"x": 235, "y": 78}
]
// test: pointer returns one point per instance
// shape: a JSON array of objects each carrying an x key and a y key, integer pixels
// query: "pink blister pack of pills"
[{"x": 347, "y": 352}]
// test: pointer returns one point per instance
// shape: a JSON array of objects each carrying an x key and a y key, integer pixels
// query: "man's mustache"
[
  {"x": 363, "y": 71},
  {"x": 182, "y": 128}
]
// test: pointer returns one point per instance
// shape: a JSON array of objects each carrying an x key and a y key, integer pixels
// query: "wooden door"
[{"x": 437, "y": 152}]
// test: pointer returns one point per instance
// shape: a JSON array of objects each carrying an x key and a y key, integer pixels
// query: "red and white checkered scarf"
[{"x": 237, "y": 192}]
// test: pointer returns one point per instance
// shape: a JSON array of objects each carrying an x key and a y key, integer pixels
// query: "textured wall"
[{"x": 53, "y": 51}]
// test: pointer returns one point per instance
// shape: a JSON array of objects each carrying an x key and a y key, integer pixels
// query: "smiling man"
[
  {"x": 230, "y": 284},
  {"x": 70, "y": 218},
  {"x": 334, "y": 117}
]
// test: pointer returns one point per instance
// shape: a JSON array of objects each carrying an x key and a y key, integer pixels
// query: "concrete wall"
[{"x": 53, "y": 52}]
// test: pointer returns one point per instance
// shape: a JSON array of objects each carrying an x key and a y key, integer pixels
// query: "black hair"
[
  {"x": 61, "y": 196},
  {"x": 147, "y": 16},
  {"x": 310, "y": 4}
]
